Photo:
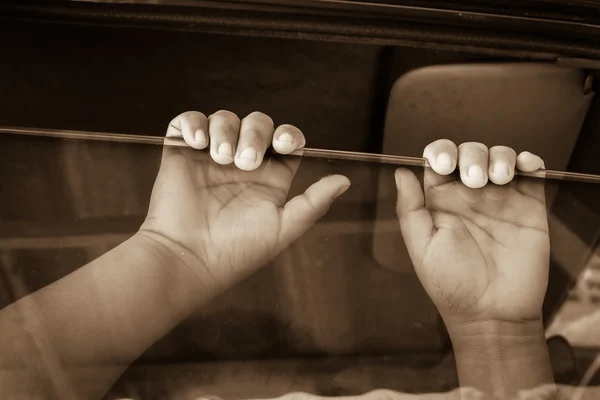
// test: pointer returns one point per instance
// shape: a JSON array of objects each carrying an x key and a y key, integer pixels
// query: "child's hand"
[
  {"x": 225, "y": 221},
  {"x": 481, "y": 252}
]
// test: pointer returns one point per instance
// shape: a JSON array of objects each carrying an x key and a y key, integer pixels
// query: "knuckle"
[
  {"x": 260, "y": 115},
  {"x": 399, "y": 212},
  {"x": 251, "y": 134},
  {"x": 290, "y": 129},
  {"x": 225, "y": 114},
  {"x": 310, "y": 205},
  {"x": 525, "y": 154},
  {"x": 473, "y": 145},
  {"x": 174, "y": 126},
  {"x": 192, "y": 114},
  {"x": 472, "y": 148},
  {"x": 228, "y": 127},
  {"x": 445, "y": 142},
  {"x": 176, "y": 122},
  {"x": 500, "y": 149}
]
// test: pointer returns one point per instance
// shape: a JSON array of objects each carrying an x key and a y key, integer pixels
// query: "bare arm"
[
  {"x": 502, "y": 358},
  {"x": 75, "y": 337},
  {"x": 208, "y": 227}
]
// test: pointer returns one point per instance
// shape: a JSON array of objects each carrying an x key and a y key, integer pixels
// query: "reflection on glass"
[{"x": 338, "y": 312}]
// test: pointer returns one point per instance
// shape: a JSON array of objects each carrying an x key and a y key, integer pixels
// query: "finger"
[
  {"x": 415, "y": 220},
  {"x": 192, "y": 125},
  {"x": 301, "y": 212},
  {"x": 502, "y": 160},
  {"x": 256, "y": 134},
  {"x": 223, "y": 129},
  {"x": 473, "y": 164},
  {"x": 528, "y": 162},
  {"x": 442, "y": 156},
  {"x": 287, "y": 139}
]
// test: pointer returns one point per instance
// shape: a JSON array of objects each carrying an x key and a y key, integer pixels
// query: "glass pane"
[{"x": 331, "y": 315}]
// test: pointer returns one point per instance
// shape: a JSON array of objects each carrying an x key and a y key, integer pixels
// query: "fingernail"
[
  {"x": 249, "y": 154},
  {"x": 500, "y": 168},
  {"x": 475, "y": 171},
  {"x": 444, "y": 160},
  {"x": 199, "y": 136},
  {"x": 225, "y": 149},
  {"x": 286, "y": 137},
  {"x": 342, "y": 191}
]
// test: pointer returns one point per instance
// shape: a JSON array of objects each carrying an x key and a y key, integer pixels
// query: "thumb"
[
  {"x": 301, "y": 212},
  {"x": 416, "y": 223}
]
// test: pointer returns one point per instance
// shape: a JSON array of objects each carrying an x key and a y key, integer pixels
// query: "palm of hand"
[
  {"x": 242, "y": 216},
  {"x": 488, "y": 256},
  {"x": 228, "y": 218}
]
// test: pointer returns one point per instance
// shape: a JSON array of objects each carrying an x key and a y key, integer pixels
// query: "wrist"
[
  {"x": 181, "y": 263},
  {"x": 501, "y": 358},
  {"x": 498, "y": 340}
]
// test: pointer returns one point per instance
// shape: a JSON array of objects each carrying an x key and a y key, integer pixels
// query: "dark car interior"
[{"x": 384, "y": 77}]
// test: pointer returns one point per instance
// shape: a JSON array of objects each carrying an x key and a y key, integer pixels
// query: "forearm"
[
  {"x": 502, "y": 358},
  {"x": 99, "y": 319}
]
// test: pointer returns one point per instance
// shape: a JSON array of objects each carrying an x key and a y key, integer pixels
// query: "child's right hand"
[{"x": 481, "y": 252}]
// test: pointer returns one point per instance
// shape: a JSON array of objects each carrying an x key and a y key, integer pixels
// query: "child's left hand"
[{"x": 225, "y": 221}]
